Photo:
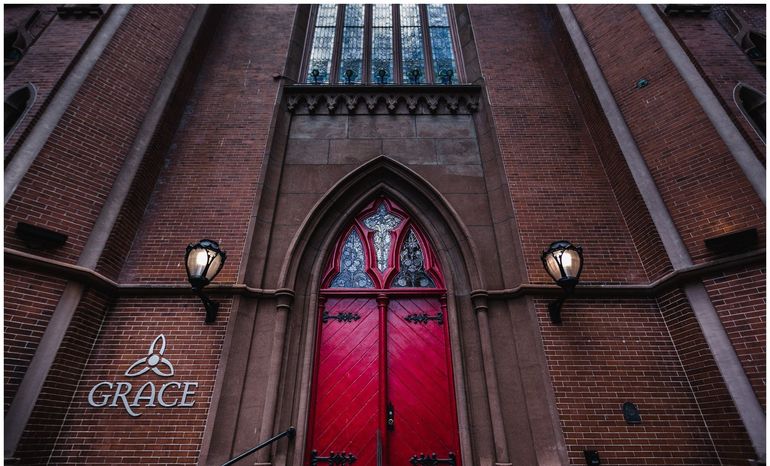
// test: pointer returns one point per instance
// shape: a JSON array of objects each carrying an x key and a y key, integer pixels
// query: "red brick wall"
[
  {"x": 45, "y": 62},
  {"x": 704, "y": 189},
  {"x": 739, "y": 298},
  {"x": 66, "y": 186},
  {"x": 558, "y": 185},
  {"x": 159, "y": 435},
  {"x": 127, "y": 223},
  {"x": 46, "y": 419},
  {"x": 206, "y": 188},
  {"x": 30, "y": 299},
  {"x": 723, "y": 65},
  {"x": 646, "y": 240},
  {"x": 612, "y": 351},
  {"x": 209, "y": 185},
  {"x": 708, "y": 387}
]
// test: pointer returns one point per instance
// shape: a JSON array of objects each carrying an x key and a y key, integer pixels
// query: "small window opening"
[
  {"x": 17, "y": 105},
  {"x": 753, "y": 45},
  {"x": 752, "y": 105},
  {"x": 15, "y": 44}
]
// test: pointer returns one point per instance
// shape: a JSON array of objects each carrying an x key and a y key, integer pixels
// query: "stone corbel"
[
  {"x": 383, "y": 99},
  {"x": 284, "y": 297}
]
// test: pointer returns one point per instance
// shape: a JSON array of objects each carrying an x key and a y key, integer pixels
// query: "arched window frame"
[
  {"x": 739, "y": 102},
  {"x": 31, "y": 100},
  {"x": 384, "y": 280},
  {"x": 334, "y": 75}
]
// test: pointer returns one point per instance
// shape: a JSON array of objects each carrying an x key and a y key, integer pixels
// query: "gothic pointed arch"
[{"x": 383, "y": 176}]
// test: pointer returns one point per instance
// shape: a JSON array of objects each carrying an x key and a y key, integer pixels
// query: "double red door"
[{"x": 383, "y": 392}]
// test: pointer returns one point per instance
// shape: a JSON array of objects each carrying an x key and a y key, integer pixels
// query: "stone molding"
[
  {"x": 428, "y": 99},
  {"x": 677, "y": 278}
]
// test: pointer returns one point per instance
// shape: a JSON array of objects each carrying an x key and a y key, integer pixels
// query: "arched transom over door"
[{"x": 382, "y": 385}]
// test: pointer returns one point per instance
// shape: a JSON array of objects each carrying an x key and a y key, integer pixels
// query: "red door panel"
[
  {"x": 419, "y": 381},
  {"x": 347, "y": 381}
]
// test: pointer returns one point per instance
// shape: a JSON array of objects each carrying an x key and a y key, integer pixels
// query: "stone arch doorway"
[
  {"x": 307, "y": 264},
  {"x": 383, "y": 389}
]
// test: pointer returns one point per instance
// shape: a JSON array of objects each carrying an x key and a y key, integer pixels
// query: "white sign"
[{"x": 168, "y": 395}]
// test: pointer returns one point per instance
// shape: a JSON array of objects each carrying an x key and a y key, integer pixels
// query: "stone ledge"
[{"x": 427, "y": 99}]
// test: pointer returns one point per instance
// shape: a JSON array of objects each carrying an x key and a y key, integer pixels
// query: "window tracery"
[
  {"x": 352, "y": 265},
  {"x": 412, "y": 273},
  {"x": 383, "y": 249}
]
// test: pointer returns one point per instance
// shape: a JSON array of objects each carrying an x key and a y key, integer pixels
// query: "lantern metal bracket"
[
  {"x": 554, "y": 307},
  {"x": 212, "y": 307}
]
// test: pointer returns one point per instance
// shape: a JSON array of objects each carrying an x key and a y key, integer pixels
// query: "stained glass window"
[
  {"x": 384, "y": 248},
  {"x": 412, "y": 273},
  {"x": 352, "y": 265},
  {"x": 389, "y": 39},
  {"x": 382, "y": 222},
  {"x": 320, "y": 62},
  {"x": 352, "y": 56},
  {"x": 444, "y": 67},
  {"x": 412, "y": 53},
  {"x": 382, "y": 44}
]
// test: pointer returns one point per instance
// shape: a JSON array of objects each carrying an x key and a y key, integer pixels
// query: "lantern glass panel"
[
  {"x": 570, "y": 262},
  {"x": 203, "y": 263},
  {"x": 216, "y": 264}
]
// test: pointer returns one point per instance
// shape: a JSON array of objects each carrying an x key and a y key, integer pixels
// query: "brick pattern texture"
[
  {"x": 131, "y": 214},
  {"x": 46, "y": 60},
  {"x": 739, "y": 298},
  {"x": 158, "y": 435},
  {"x": 45, "y": 422},
  {"x": 612, "y": 351},
  {"x": 723, "y": 64},
  {"x": 559, "y": 187},
  {"x": 212, "y": 173},
  {"x": 74, "y": 172},
  {"x": 647, "y": 352},
  {"x": 705, "y": 191},
  {"x": 646, "y": 240},
  {"x": 227, "y": 117},
  {"x": 30, "y": 299},
  {"x": 708, "y": 388}
]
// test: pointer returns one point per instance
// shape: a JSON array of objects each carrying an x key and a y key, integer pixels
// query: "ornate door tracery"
[{"x": 382, "y": 385}]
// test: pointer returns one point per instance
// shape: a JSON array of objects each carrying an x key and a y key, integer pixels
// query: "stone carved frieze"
[{"x": 373, "y": 99}]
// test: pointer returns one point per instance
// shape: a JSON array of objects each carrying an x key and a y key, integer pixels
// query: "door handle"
[{"x": 390, "y": 417}]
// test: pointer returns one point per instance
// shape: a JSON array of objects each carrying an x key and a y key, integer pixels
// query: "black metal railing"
[{"x": 287, "y": 433}]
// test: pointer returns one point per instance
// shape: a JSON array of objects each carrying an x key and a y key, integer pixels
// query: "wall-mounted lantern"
[
  {"x": 203, "y": 261},
  {"x": 563, "y": 261}
]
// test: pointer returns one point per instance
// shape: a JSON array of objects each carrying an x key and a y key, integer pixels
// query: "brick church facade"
[{"x": 383, "y": 221}]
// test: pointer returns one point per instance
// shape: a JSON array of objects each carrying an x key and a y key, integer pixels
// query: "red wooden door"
[
  {"x": 346, "y": 411},
  {"x": 419, "y": 382},
  {"x": 383, "y": 347},
  {"x": 349, "y": 390}
]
